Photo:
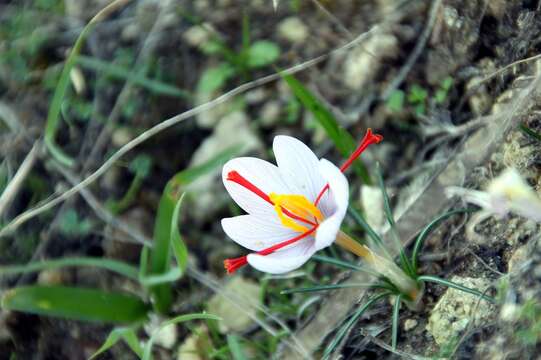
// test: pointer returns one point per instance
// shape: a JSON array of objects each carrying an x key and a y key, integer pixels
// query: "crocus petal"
[
  {"x": 299, "y": 166},
  {"x": 284, "y": 260},
  {"x": 339, "y": 193},
  {"x": 263, "y": 175},
  {"x": 255, "y": 232}
]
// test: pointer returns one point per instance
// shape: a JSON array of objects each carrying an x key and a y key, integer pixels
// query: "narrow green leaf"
[
  {"x": 191, "y": 174},
  {"x": 166, "y": 232},
  {"x": 396, "y": 313},
  {"x": 345, "y": 328},
  {"x": 342, "y": 139},
  {"x": 138, "y": 78},
  {"x": 343, "y": 264},
  {"x": 76, "y": 303},
  {"x": 180, "y": 251},
  {"x": 419, "y": 241},
  {"x": 359, "y": 219},
  {"x": 168, "y": 277},
  {"x": 147, "y": 352},
  {"x": 332, "y": 287},
  {"x": 529, "y": 132},
  {"x": 406, "y": 266},
  {"x": 235, "y": 347},
  {"x": 126, "y": 334},
  {"x": 437, "y": 280},
  {"x": 53, "y": 117},
  {"x": 112, "y": 265}
]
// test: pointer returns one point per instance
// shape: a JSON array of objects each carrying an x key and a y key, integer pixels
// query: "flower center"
[{"x": 297, "y": 205}]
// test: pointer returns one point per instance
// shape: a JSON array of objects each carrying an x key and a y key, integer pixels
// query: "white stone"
[
  {"x": 363, "y": 62},
  {"x": 293, "y": 30},
  {"x": 456, "y": 309},
  {"x": 238, "y": 314}
]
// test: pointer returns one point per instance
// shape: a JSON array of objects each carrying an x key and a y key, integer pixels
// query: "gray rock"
[
  {"x": 236, "y": 316},
  {"x": 456, "y": 310}
]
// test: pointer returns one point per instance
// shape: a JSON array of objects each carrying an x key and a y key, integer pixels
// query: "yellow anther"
[{"x": 298, "y": 206}]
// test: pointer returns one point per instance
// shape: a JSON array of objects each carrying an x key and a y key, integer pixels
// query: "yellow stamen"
[{"x": 299, "y": 206}]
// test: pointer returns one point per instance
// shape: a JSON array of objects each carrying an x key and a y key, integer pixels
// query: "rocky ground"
[{"x": 445, "y": 82}]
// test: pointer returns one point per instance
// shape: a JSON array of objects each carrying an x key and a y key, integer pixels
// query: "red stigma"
[
  {"x": 368, "y": 139},
  {"x": 232, "y": 265}
]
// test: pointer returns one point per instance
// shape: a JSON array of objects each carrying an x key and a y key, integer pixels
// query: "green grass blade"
[
  {"x": 147, "y": 352},
  {"x": 359, "y": 219},
  {"x": 529, "y": 132},
  {"x": 180, "y": 251},
  {"x": 332, "y": 287},
  {"x": 406, "y": 266},
  {"x": 166, "y": 233},
  {"x": 119, "y": 72},
  {"x": 112, "y": 265},
  {"x": 342, "y": 264},
  {"x": 419, "y": 241},
  {"x": 235, "y": 348},
  {"x": 396, "y": 313},
  {"x": 345, "y": 328},
  {"x": 168, "y": 277},
  {"x": 126, "y": 334},
  {"x": 437, "y": 280},
  {"x": 75, "y": 303},
  {"x": 342, "y": 139},
  {"x": 191, "y": 174}
]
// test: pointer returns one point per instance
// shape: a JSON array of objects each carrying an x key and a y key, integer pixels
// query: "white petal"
[
  {"x": 339, "y": 193},
  {"x": 263, "y": 175},
  {"x": 284, "y": 260},
  {"x": 256, "y": 233},
  {"x": 298, "y": 166}
]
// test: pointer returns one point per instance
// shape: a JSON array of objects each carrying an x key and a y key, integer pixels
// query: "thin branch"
[{"x": 12, "y": 189}]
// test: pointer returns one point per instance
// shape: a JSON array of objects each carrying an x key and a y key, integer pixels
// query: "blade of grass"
[
  {"x": 437, "y": 280},
  {"x": 180, "y": 251},
  {"x": 406, "y": 266},
  {"x": 342, "y": 264},
  {"x": 529, "y": 132},
  {"x": 342, "y": 139},
  {"x": 396, "y": 313},
  {"x": 119, "y": 72},
  {"x": 166, "y": 233},
  {"x": 53, "y": 116},
  {"x": 235, "y": 347},
  {"x": 419, "y": 241},
  {"x": 112, "y": 265},
  {"x": 76, "y": 303},
  {"x": 332, "y": 287},
  {"x": 352, "y": 320},
  {"x": 147, "y": 352},
  {"x": 359, "y": 219},
  {"x": 126, "y": 334}
]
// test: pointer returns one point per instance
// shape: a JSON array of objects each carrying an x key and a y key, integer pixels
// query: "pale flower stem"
[
  {"x": 351, "y": 245},
  {"x": 383, "y": 266}
]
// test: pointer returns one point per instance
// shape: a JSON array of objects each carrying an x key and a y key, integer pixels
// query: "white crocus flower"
[
  {"x": 294, "y": 209},
  {"x": 506, "y": 193}
]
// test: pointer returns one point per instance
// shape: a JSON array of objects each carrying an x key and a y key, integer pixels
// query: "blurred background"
[{"x": 450, "y": 84}]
